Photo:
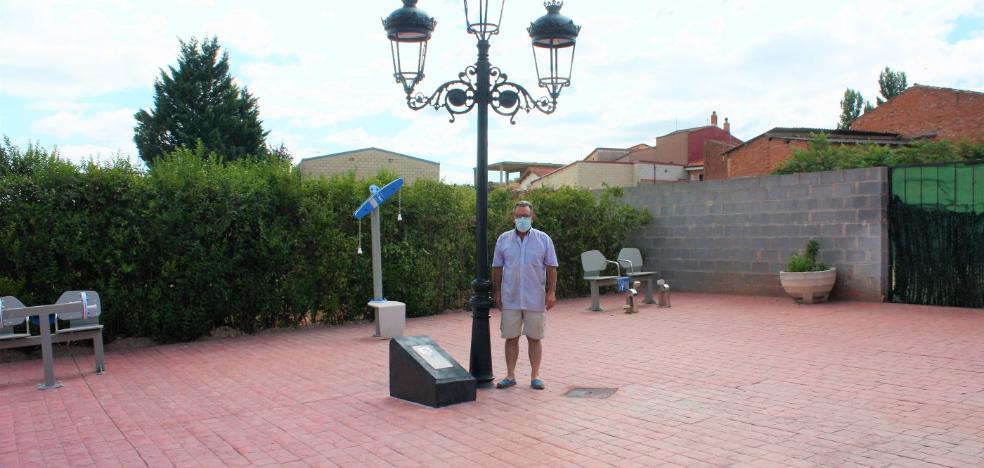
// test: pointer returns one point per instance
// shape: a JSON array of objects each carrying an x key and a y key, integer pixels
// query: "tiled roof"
[
  {"x": 371, "y": 148},
  {"x": 835, "y": 136}
]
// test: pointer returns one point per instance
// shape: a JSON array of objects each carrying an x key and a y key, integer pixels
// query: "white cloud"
[
  {"x": 112, "y": 127},
  {"x": 105, "y": 125}
]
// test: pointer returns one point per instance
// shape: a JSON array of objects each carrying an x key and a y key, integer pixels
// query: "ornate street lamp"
[{"x": 481, "y": 85}]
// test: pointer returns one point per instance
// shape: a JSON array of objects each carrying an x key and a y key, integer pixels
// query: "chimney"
[
  {"x": 727, "y": 126},
  {"x": 714, "y": 118}
]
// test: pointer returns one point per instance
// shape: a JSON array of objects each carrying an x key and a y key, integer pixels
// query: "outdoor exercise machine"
[{"x": 390, "y": 315}]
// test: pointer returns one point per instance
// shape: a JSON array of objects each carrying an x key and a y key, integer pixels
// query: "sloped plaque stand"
[{"x": 422, "y": 372}]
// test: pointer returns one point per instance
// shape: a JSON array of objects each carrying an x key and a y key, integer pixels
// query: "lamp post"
[{"x": 482, "y": 86}]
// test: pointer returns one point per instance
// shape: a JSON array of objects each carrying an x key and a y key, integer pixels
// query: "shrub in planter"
[{"x": 805, "y": 279}]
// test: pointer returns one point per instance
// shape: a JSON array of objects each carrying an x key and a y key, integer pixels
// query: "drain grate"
[{"x": 591, "y": 392}]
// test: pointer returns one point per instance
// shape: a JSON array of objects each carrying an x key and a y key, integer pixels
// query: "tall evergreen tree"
[
  {"x": 891, "y": 84},
  {"x": 852, "y": 106},
  {"x": 199, "y": 101}
]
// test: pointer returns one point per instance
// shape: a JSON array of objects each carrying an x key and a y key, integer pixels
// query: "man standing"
[{"x": 524, "y": 277}]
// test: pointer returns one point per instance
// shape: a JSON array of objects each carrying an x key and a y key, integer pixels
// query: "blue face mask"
[{"x": 523, "y": 224}]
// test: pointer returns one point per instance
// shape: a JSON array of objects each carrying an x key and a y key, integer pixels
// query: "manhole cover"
[{"x": 591, "y": 392}]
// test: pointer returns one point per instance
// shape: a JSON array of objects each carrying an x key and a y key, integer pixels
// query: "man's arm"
[
  {"x": 551, "y": 286},
  {"x": 497, "y": 286}
]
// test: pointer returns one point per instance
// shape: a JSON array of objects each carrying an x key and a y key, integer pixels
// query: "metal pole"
[
  {"x": 377, "y": 259},
  {"x": 480, "y": 363}
]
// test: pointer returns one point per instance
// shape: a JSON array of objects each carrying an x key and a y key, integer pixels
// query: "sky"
[{"x": 73, "y": 73}]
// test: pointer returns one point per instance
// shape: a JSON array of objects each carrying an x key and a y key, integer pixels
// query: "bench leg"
[
  {"x": 595, "y": 306},
  {"x": 649, "y": 291},
  {"x": 97, "y": 346},
  {"x": 47, "y": 356}
]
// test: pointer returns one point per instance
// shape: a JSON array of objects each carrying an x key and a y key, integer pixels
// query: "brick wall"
[
  {"x": 672, "y": 148},
  {"x": 952, "y": 114},
  {"x": 368, "y": 163},
  {"x": 734, "y": 236},
  {"x": 714, "y": 165},
  {"x": 760, "y": 156}
]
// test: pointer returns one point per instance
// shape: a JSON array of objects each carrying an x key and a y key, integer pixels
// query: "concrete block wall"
[{"x": 734, "y": 236}]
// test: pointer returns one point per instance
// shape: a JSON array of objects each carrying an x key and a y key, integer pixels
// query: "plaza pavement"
[{"x": 716, "y": 380}]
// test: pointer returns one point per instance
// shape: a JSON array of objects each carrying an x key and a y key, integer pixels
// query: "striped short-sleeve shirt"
[{"x": 524, "y": 263}]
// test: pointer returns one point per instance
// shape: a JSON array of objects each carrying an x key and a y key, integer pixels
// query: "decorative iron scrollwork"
[
  {"x": 457, "y": 96},
  {"x": 509, "y": 98},
  {"x": 460, "y": 96}
]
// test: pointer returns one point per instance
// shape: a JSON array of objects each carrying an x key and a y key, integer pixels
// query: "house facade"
[
  {"x": 676, "y": 156},
  {"x": 367, "y": 162},
  {"x": 532, "y": 174},
  {"x": 929, "y": 112},
  {"x": 687, "y": 147},
  {"x": 598, "y": 174}
]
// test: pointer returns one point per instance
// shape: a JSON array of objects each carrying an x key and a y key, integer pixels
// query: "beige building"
[
  {"x": 598, "y": 174},
  {"x": 367, "y": 162}
]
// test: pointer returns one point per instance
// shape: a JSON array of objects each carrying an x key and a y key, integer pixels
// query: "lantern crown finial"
[
  {"x": 409, "y": 24},
  {"x": 553, "y": 30}
]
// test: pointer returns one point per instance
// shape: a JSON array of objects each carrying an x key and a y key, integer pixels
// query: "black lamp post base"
[{"x": 480, "y": 362}]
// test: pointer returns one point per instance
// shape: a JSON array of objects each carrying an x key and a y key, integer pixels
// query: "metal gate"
[{"x": 936, "y": 233}]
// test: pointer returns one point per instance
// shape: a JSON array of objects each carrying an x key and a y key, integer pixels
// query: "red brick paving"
[{"x": 715, "y": 380}]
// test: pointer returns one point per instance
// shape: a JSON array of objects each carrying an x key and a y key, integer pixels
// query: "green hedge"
[
  {"x": 822, "y": 155},
  {"x": 193, "y": 243}
]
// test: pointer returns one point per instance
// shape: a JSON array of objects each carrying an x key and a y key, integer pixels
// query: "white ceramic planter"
[{"x": 809, "y": 286}]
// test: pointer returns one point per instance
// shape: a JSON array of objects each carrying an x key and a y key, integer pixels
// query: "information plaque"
[
  {"x": 432, "y": 357},
  {"x": 422, "y": 372}
]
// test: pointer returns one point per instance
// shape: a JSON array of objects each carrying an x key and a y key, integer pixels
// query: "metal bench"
[
  {"x": 80, "y": 308},
  {"x": 83, "y": 324},
  {"x": 7, "y": 323},
  {"x": 594, "y": 263},
  {"x": 631, "y": 259}
]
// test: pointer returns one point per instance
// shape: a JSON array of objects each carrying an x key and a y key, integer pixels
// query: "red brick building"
[
  {"x": 763, "y": 154},
  {"x": 929, "y": 112},
  {"x": 685, "y": 147}
]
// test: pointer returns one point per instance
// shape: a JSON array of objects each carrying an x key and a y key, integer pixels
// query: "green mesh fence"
[{"x": 936, "y": 231}]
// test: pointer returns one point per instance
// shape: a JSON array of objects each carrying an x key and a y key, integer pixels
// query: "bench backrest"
[
  {"x": 633, "y": 255},
  {"x": 91, "y": 307},
  {"x": 6, "y": 323},
  {"x": 593, "y": 262}
]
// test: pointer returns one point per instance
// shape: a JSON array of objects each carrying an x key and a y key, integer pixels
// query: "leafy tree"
[
  {"x": 14, "y": 161},
  {"x": 199, "y": 101},
  {"x": 852, "y": 106},
  {"x": 891, "y": 84}
]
